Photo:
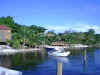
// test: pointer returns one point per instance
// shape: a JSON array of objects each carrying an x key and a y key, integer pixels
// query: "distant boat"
[
  {"x": 52, "y": 48},
  {"x": 59, "y": 52},
  {"x": 49, "y": 49}
]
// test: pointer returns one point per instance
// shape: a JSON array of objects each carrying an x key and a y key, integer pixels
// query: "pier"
[
  {"x": 14, "y": 51},
  {"x": 6, "y": 71}
]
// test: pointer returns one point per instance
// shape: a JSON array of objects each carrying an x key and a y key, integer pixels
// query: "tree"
[{"x": 22, "y": 34}]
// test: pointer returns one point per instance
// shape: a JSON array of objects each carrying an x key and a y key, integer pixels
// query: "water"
[{"x": 80, "y": 62}]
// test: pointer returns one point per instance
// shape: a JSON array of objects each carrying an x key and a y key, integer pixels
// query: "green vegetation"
[
  {"x": 33, "y": 35},
  {"x": 87, "y": 38},
  {"x": 22, "y": 34}
]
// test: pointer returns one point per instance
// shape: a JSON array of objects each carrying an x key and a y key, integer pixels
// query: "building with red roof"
[
  {"x": 3, "y": 27},
  {"x": 5, "y": 33}
]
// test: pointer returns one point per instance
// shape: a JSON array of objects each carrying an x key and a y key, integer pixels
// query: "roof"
[
  {"x": 59, "y": 43},
  {"x": 3, "y": 27}
]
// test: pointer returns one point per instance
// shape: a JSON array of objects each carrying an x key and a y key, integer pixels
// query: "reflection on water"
[
  {"x": 61, "y": 59},
  {"x": 80, "y": 62},
  {"x": 4, "y": 61},
  {"x": 22, "y": 61},
  {"x": 84, "y": 59}
]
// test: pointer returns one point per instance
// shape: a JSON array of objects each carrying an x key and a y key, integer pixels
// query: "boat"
[
  {"x": 49, "y": 49},
  {"x": 59, "y": 48},
  {"x": 59, "y": 52},
  {"x": 52, "y": 48}
]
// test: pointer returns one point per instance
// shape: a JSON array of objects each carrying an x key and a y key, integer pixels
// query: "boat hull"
[
  {"x": 64, "y": 54},
  {"x": 49, "y": 49}
]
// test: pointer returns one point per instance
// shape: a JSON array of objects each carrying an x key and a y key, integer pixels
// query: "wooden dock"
[
  {"x": 6, "y": 71},
  {"x": 14, "y": 51}
]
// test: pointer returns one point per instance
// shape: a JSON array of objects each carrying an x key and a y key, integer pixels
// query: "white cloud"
[
  {"x": 56, "y": 28},
  {"x": 75, "y": 27},
  {"x": 84, "y": 28}
]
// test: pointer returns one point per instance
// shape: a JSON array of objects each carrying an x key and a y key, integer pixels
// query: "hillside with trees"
[
  {"x": 30, "y": 35},
  {"x": 33, "y": 35},
  {"x": 86, "y": 38}
]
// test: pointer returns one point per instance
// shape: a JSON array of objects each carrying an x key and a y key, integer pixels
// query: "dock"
[
  {"x": 6, "y": 71},
  {"x": 15, "y": 51},
  {"x": 67, "y": 47}
]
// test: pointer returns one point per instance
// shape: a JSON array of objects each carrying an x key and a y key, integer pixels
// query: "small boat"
[
  {"x": 60, "y": 53},
  {"x": 59, "y": 48},
  {"x": 49, "y": 49}
]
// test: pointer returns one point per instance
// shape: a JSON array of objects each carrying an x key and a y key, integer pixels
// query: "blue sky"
[{"x": 57, "y": 15}]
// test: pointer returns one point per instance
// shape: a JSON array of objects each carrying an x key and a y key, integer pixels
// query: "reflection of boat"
[
  {"x": 59, "y": 52},
  {"x": 84, "y": 59},
  {"x": 61, "y": 59}
]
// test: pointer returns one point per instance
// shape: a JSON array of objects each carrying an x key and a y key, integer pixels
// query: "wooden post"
[
  {"x": 59, "y": 68},
  {"x": 84, "y": 59},
  {"x": 85, "y": 55}
]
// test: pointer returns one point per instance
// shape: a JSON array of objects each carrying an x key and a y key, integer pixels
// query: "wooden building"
[
  {"x": 59, "y": 43},
  {"x": 5, "y": 33}
]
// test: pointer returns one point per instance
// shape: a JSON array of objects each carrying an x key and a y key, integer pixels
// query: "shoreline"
[
  {"x": 11, "y": 51},
  {"x": 15, "y": 51},
  {"x": 71, "y": 46}
]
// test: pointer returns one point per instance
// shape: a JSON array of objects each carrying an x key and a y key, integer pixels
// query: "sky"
[{"x": 56, "y": 15}]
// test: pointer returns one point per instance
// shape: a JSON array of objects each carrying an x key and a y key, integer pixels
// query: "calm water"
[{"x": 80, "y": 62}]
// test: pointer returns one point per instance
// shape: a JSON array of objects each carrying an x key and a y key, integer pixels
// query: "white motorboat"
[
  {"x": 51, "y": 48},
  {"x": 59, "y": 48},
  {"x": 60, "y": 53}
]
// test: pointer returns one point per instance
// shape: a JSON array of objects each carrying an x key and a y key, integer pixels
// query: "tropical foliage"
[
  {"x": 23, "y": 35},
  {"x": 33, "y": 35},
  {"x": 87, "y": 38}
]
